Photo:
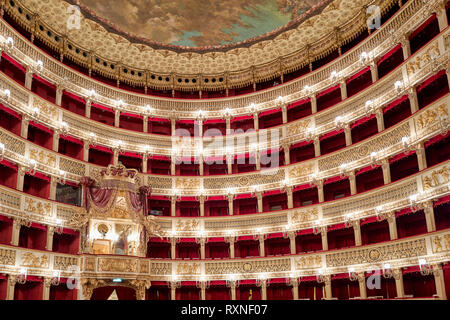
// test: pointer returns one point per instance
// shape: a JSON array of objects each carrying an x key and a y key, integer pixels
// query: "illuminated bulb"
[
  {"x": 148, "y": 108},
  {"x": 387, "y": 266},
  {"x": 7, "y": 92},
  {"x": 364, "y": 55},
  {"x": 58, "y": 221},
  {"x": 92, "y": 93},
  {"x": 373, "y": 154},
  {"x": 307, "y": 88},
  {"x": 92, "y": 135},
  {"x": 2, "y": 147},
  {"x": 351, "y": 269},
  {"x": 36, "y": 111},
  {"x": 227, "y": 111},
  {"x": 397, "y": 85},
  {"x": 413, "y": 198},
  {"x": 320, "y": 271},
  {"x": 230, "y": 232},
  {"x": 379, "y": 208},
  {"x": 201, "y": 190},
  {"x": 120, "y": 103},
  {"x": 10, "y": 41},
  {"x": 23, "y": 270},
  {"x": 62, "y": 172},
  {"x": 40, "y": 64},
  {"x": 333, "y": 74},
  {"x": 32, "y": 162},
  {"x": 230, "y": 190},
  {"x": 259, "y": 230},
  {"x": 119, "y": 142},
  {"x": 422, "y": 262},
  {"x": 175, "y": 191}
]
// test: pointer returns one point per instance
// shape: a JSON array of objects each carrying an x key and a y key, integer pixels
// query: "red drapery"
[
  {"x": 218, "y": 292},
  {"x": 418, "y": 285},
  {"x": 62, "y": 292},
  {"x": 31, "y": 290},
  {"x": 188, "y": 291},
  {"x": 279, "y": 291}
]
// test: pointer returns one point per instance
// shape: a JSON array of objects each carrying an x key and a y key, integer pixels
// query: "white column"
[
  {"x": 231, "y": 241},
  {"x": 328, "y": 291},
  {"x": 173, "y": 206},
  {"x": 287, "y": 154},
  {"x": 46, "y": 289},
  {"x": 229, "y": 159},
  {"x": 50, "y": 234},
  {"x": 292, "y": 245},
  {"x": 228, "y": 125},
  {"x": 290, "y": 197},
  {"x": 440, "y": 282},
  {"x": 20, "y": 178},
  {"x": 313, "y": 104},
  {"x": 357, "y": 232},
  {"x": 12, "y": 280},
  {"x": 399, "y": 283},
  {"x": 348, "y": 135},
  {"x": 352, "y": 179},
  {"x": 393, "y": 235},
  {"x": 256, "y": 121},
  {"x": 202, "y": 206},
  {"x": 421, "y": 157},
  {"x": 284, "y": 113},
  {"x": 262, "y": 250},
  {"x": 117, "y": 118},
  {"x": 264, "y": 290},
  {"x": 28, "y": 79},
  {"x": 317, "y": 147},
  {"x": 374, "y": 71},
  {"x": 53, "y": 184},
  {"x": 88, "y": 108},
  {"x": 202, "y": 249},
  {"x": 295, "y": 290},
  {"x": 380, "y": 120},
  {"x": 441, "y": 15},
  {"x": 173, "y": 248},
  {"x": 15, "y": 232},
  {"x": 343, "y": 86},
  {"x": 200, "y": 127},
  {"x": 201, "y": 165},
  {"x": 173, "y": 168},
  {"x": 386, "y": 171},
  {"x": 59, "y": 94},
  {"x": 116, "y": 157},
  {"x": 429, "y": 216},
  {"x": 320, "y": 191},
  {"x": 324, "y": 235},
  {"x": 230, "y": 205},
  {"x": 406, "y": 47},
  {"x": 413, "y": 100},
  {"x": 362, "y": 285},
  {"x": 144, "y": 163},
  {"x": 233, "y": 291},
  {"x": 55, "y": 142},
  {"x": 260, "y": 201},
  {"x": 173, "y": 290},
  {"x": 145, "y": 124},
  {"x": 24, "y": 127},
  {"x": 86, "y": 151}
]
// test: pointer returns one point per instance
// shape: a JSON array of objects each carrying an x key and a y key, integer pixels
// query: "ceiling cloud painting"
[{"x": 199, "y": 23}]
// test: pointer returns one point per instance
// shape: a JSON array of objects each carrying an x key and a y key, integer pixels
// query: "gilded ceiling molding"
[{"x": 340, "y": 22}]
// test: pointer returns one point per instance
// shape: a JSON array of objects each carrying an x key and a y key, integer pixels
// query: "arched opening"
[{"x": 114, "y": 293}]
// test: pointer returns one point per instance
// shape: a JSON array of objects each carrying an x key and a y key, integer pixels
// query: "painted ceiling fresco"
[{"x": 199, "y": 23}]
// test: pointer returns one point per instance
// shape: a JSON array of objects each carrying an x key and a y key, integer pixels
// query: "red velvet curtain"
[
  {"x": 387, "y": 287},
  {"x": 279, "y": 291},
  {"x": 247, "y": 248},
  {"x": 3, "y": 287},
  {"x": 66, "y": 242},
  {"x": 277, "y": 246},
  {"x": 343, "y": 288},
  {"x": 158, "y": 250},
  {"x": 158, "y": 293},
  {"x": 418, "y": 285},
  {"x": 31, "y": 290},
  {"x": 61, "y": 292},
  {"x": 341, "y": 238},
  {"x": 188, "y": 293},
  {"x": 308, "y": 243},
  {"x": 6, "y": 225},
  {"x": 34, "y": 237},
  {"x": 218, "y": 293},
  {"x": 100, "y": 197},
  {"x": 243, "y": 292},
  {"x": 311, "y": 290},
  {"x": 188, "y": 251},
  {"x": 217, "y": 250}
]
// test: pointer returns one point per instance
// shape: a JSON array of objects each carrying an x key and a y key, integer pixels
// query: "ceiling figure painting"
[{"x": 194, "y": 23}]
